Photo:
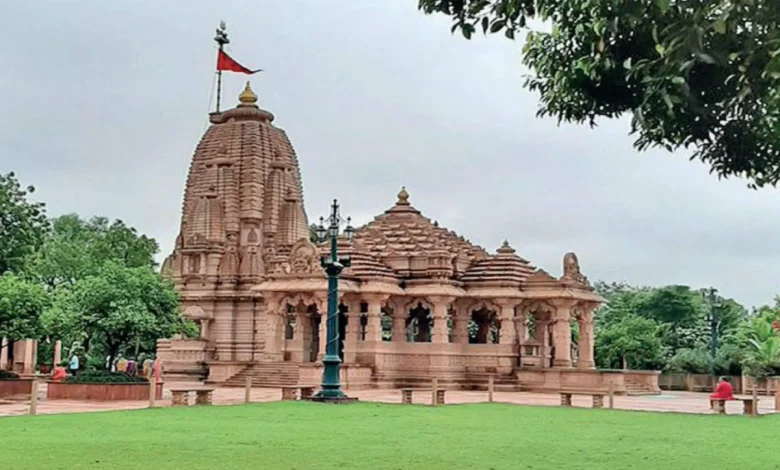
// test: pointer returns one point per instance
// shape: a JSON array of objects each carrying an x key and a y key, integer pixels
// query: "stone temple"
[{"x": 418, "y": 302}]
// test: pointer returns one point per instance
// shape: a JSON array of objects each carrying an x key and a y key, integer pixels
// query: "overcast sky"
[{"x": 104, "y": 102}]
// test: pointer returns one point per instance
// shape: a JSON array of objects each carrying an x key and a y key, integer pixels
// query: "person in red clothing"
[
  {"x": 58, "y": 374},
  {"x": 723, "y": 391}
]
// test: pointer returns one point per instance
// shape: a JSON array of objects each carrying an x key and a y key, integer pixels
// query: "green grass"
[{"x": 288, "y": 435}]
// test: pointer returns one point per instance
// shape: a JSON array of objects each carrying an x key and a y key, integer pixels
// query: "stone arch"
[{"x": 484, "y": 326}]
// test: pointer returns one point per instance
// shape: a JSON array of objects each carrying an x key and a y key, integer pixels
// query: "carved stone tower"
[{"x": 243, "y": 204}]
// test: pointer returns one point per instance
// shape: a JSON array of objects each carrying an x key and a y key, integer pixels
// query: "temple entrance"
[
  {"x": 484, "y": 327},
  {"x": 418, "y": 325}
]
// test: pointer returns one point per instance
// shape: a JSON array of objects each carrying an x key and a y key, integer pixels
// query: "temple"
[{"x": 419, "y": 301}]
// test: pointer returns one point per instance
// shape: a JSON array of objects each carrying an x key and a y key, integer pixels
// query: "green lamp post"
[{"x": 330, "y": 389}]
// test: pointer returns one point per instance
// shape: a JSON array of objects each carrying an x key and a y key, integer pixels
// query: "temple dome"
[
  {"x": 504, "y": 269},
  {"x": 243, "y": 200},
  {"x": 415, "y": 247}
]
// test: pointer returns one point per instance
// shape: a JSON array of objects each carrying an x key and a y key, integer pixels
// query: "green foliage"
[
  {"x": 8, "y": 375},
  {"x": 21, "y": 305},
  {"x": 691, "y": 361},
  {"x": 104, "y": 376},
  {"x": 117, "y": 307},
  {"x": 728, "y": 360},
  {"x": 763, "y": 354},
  {"x": 694, "y": 74},
  {"x": 77, "y": 248},
  {"x": 22, "y": 224},
  {"x": 623, "y": 338}
]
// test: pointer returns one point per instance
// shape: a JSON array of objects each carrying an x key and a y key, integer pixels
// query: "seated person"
[
  {"x": 58, "y": 374},
  {"x": 723, "y": 391}
]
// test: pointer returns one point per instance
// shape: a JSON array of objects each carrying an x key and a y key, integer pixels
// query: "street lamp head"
[
  {"x": 349, "y": 232},
  {"x": 321, "y": 231}
]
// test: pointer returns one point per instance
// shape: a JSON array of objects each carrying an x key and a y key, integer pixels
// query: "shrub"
[
  {"x": 102, "y": 376},
  {"x": 6, "y": 375},
  {"x": 691, "y": 361}
]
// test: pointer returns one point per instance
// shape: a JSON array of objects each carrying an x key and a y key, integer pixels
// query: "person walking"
[{"x": 73, "y": 365}]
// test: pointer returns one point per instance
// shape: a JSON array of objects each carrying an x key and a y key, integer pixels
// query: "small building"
[{"x": 418, "y": 301}]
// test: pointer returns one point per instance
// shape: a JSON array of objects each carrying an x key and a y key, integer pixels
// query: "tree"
[
  {"x": 631, "y": 342},
  {"x": 22, "y": 224},
  {"x": 21, "y": 304},
  {"x": 692, "y": 73},
  {"x": 76, "y": 248},
  {"x": 763, "y": 355},
  {"x": 116, "y": 308}
]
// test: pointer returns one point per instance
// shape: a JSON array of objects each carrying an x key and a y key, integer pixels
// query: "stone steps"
[
  {"x": 469, "y": 382},
  {"x": 266, "y": 374},
  {"x": 635, "y": 388}
]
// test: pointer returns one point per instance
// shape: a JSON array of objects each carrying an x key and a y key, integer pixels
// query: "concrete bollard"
[
  {"x": 248, "y": 389},
  {"x": 34, "y": 397},
  {"x": 152, "y": 392},
  {"x": 755, "y": 401},
  {"x": 611, "y": 396},
  {"x": 434, "y": 391},
  {"x": 491, "y": 386}
]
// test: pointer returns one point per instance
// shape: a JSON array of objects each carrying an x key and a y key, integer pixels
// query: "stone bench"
[
  {"x": 293, "y": 392},
  {"x": 749, "y": 404},
  {"x": 598, "y": 397},
  {"x": 203, "y": 395},
  {"x": 406, "y": 395}
]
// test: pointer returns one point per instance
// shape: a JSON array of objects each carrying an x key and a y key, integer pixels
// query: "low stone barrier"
[
  {"x": 13, "y": 387},
  {"x": 101, "y": 391}
]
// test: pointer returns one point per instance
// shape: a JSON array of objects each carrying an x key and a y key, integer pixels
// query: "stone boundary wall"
[
  {"x": 101, "y": 391},
  {"x": 13, "y": 387},
  {"x": 706, "y": 383}
]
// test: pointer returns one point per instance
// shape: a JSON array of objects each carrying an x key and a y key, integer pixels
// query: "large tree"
[
  {"x": 21, "y": 305},
  {"x": 76, "y": 248},
  {"x": 692, "y": 73},
  {"x": 116, "y": 308},
  {"x": 22, "y": 224}
]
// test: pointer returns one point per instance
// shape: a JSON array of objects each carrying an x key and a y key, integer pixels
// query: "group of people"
[{"x": 144, "y": 367}]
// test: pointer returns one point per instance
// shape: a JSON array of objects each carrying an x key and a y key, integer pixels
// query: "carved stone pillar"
[
  {"x": 351, "y": 332},
  {"x": 521, "y": 331},
  {"x": 374, "y": 323},
  {"x": 4, "y": 345},
  {"x": 585, "y": 321},
  {"x": 562, "y": 333},
  {"x": 323, "y": 336},
  {"x": 274, "y": 330},
  {"x": 507, "y": 317},
  {"x": 541, "y": 334},
  {"x": 439, "y": 314},
  {"x": 460, "y": 327},
  {"x": 57, "y": 355},
  {"x": 399, "y": 324}
]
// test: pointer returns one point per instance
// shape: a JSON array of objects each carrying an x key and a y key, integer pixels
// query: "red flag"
[{"x": 226, "y": 63}]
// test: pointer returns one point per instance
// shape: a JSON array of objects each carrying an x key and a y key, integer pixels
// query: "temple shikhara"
[{"x": 419, "y": 301}]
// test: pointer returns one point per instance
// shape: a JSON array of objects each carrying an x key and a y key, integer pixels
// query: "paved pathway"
[{"x": 681, "y": 402}]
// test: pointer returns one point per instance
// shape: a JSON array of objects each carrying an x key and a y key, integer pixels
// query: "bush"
[
  {"x": 105, "y": 377},
  {"x": 691, "y": 361},
  {"x": 6, "y": 375}
]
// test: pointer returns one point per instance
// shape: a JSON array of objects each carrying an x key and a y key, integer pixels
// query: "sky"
[{"x": 104, "y": 102}]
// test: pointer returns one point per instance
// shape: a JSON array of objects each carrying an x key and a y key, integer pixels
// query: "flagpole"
[{"x": 221, "y": 38}]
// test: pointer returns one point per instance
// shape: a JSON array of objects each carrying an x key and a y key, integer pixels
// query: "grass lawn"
[{"x": 289, "y": 435}]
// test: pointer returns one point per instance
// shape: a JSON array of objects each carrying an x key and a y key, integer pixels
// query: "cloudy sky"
[{"x": 104, "y": 102}]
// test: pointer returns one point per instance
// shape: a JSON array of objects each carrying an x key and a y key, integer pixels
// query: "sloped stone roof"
[
  {"x": 403, "y": 231},
  {"x": 502, "y": 269}
]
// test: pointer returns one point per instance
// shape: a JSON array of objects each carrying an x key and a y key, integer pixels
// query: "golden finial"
[
  {"x": 247, "y": 97},
  {"x": 403, "y": 197}
]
